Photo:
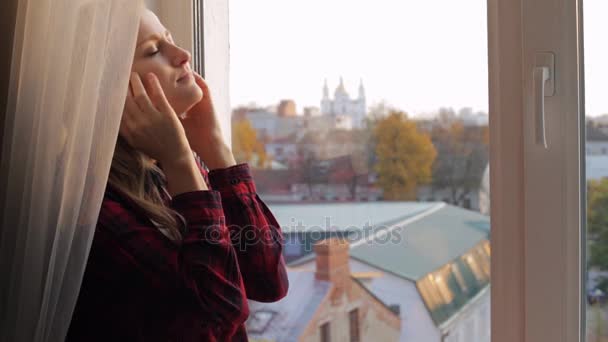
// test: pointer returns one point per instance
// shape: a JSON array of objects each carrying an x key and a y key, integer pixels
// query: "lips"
[{"x": 184, "y": 76}]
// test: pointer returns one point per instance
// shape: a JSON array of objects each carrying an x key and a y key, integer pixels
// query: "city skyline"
[{"x": 284, "y": 49}]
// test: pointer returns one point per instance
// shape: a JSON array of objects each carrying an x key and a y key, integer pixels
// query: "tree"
[
  {"x": 306, "y": 161},
  {"x": 404, "y": 156},
  {"x": 363, "y": 156},
  {"x": 462, "y": 157},
  {"x": 597, "y": 222},
  {"x": 245, "y": 144},
  {"x": 379, "y": 110}
]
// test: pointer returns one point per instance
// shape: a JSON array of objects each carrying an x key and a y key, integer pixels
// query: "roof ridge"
[{"x": 401, "y": 224}]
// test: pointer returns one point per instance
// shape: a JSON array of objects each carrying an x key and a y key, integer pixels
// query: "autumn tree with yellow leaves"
[
  {"x": 245, "y": 145},
  {"x": 404, "y": 156}
]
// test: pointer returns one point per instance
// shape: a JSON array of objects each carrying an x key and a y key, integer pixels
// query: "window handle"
[{"x": 541, "y": 76}]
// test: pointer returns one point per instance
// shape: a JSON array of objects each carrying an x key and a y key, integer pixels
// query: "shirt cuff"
[{"x": 232, "y": 180}]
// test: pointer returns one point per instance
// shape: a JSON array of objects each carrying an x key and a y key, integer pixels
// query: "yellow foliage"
[
  {"x": 404, "y": 156},
  {"x": 245, "y": 144}
]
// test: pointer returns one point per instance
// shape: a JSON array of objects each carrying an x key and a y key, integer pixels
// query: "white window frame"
[{"x": 537, "y": 194}]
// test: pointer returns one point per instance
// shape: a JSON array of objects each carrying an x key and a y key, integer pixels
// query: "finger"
[
  {"x": 140, "y": 95},
  {"x": 202, "y": 84},
  {"x": 158, "y": 95},
  {"x": 200, "y": 81},
  {"x": 132, "y": 109}
]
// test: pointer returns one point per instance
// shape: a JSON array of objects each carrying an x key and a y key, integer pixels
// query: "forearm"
[
  {"x": 215, "y": 153},
  {"x": 255, "y": 233},
  {"x": 183, "y": 176}
]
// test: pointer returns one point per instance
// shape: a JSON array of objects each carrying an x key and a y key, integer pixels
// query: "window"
[
  {"x": 384, "y": 136},
  {"x": 441, "y": 284},
  {"x": 459, "y": 278},
  {"x": 353, "y": 317},
  {"x": 325, "y": 332},
  {"x": 259, "y": 321},
  {"x": 293, "y": 245},
  {"x": 536, "y": 188},
  {"x": 595, "y": 299}
]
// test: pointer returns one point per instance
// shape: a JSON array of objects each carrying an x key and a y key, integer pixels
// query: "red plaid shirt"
[{"x": 141, "y": 286}]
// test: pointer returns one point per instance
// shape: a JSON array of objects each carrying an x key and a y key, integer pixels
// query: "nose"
[{"x": 181, "y": 57}]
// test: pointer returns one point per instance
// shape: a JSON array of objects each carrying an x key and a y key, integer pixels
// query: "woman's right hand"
[{"x": 149, "y": 123}]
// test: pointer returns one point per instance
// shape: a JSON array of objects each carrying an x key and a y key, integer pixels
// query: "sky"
[{"x": 417, "y": 56}]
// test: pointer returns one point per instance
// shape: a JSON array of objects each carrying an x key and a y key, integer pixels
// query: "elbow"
[
  {"x": 232, "y": 314},
  {"x": 269, "y": 293}
]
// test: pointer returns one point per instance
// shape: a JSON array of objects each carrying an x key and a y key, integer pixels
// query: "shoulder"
[{"x": 118, "y": 213}]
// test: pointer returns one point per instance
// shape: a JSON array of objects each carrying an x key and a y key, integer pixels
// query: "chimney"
[{"x": 332, "y": 259}]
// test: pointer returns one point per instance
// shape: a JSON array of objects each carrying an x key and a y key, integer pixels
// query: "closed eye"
[{"x": 153, "y": 53}]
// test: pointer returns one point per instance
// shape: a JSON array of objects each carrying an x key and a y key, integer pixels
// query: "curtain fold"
[{"x": 69, "y": 76}]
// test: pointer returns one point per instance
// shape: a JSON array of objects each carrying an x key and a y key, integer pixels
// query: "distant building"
[
  {"x": 344, "y": 122},
  {"x": 269, "y": 125},
  {"x": 311, "y": 111},
  {"x": 596, "y": 167},
  {"x": 333, "y": 179},
  {"x": 283, "y": 149},
  {"x": 287, "y": 108},
  {"x": 429, "y": 260},
  {"x": 470, "y": 201},
  {"x": 469, "y": 118},
  {"x": 325, "y": 304},
  {"x": 596, "y": 147},
  {"x": 343, "y": 107}
]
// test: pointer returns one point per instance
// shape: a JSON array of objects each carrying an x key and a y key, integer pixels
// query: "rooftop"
[
  {"x": 345, "y": 216},
  {"x": 284, "y": 319}
]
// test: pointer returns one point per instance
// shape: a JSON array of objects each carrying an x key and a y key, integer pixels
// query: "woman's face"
[{"x": 156, "y": 52}]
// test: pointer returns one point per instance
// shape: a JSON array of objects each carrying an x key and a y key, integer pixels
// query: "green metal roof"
[
  {"x": 433, "y": 239},
  {"x": 344, "y": 216},
  {"x": 428, "y": 243},
  {"x": 428, "y": 236}
]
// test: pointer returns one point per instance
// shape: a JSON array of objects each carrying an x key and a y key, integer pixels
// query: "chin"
[{"x": 186, "y": 99}]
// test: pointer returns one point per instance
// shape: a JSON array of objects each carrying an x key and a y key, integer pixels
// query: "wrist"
[
  {"x": 183, "y": 175},
  {"x": 178, "y": 163},
  {"x": 214, "y": 152},
  {"x": 182, "y": 159},
  {"x": 218, "y": 157}
]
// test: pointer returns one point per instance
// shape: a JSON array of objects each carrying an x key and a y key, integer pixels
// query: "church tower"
[
  {"x": 361, "y": 106},
  {"x": 325, "y": 101},
  {"x": 349, "y": 112},
  {"x": 361, "y": 91},
  {"x": 341, "y": 105}
]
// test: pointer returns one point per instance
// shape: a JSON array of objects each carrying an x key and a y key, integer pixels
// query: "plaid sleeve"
[
  {"x": 254, "y": 231},
  {"x": 201, "y": 274}
]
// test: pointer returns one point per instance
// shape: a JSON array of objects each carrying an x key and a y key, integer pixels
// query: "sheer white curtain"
[{"x": 69, "y": 75}]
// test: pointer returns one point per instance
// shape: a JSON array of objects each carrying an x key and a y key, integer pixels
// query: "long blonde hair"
[{"x": 133, "y": 173}]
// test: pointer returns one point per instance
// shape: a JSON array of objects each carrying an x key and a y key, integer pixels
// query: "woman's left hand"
[{"x": 204, "y": 132}]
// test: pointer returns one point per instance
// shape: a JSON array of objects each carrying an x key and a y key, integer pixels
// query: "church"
[{"x": 347, "y": 113}]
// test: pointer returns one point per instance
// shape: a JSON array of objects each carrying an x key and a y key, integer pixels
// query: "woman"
[{"x": 178, "y": 249}]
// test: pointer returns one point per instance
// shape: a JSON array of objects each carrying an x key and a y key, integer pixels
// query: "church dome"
[{"x": 340, "y": 90}]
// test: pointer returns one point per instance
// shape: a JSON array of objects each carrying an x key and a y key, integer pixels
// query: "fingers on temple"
[{"x": 140, "y": 94}]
